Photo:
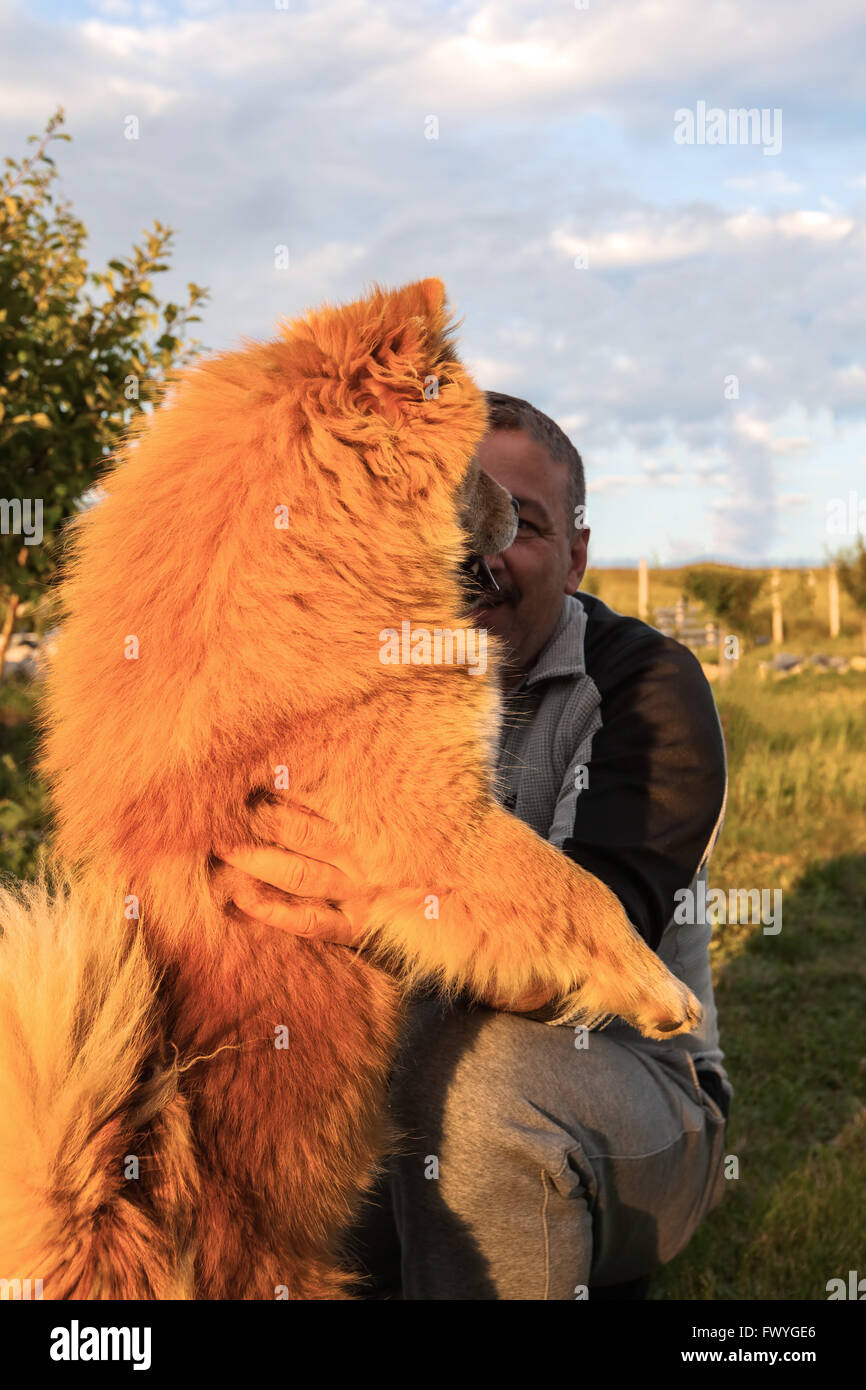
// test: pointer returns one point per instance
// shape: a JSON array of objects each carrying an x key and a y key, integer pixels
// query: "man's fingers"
[
  {"x": 308, "y": 833},
  {"x": 525, "y": 1004},
  {"x": 291, "y": 873},
  {"x": 320, "y": 922}
]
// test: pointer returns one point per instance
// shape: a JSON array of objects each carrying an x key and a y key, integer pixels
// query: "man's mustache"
[{"x": 506, "y": 593}]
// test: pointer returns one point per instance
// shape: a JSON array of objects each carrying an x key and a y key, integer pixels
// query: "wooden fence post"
[
  {"x": 833, "y": 596},
  {"x": 776, "y": 600},
  {"x": 642, "y": 590}
]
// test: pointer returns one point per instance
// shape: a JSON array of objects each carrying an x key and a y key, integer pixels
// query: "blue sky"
[{"x": 616, "y": 278}]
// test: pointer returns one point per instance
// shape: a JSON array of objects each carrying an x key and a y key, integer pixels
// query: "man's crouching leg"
[{"x": 537, "y": 1161}]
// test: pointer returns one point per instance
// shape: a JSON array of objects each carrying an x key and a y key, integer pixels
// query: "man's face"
[{"x": 547, "y": 558}]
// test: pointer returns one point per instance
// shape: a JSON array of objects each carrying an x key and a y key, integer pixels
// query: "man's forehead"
[{"x": 514, "y": 459}]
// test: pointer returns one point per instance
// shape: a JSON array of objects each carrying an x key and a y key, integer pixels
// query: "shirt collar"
[{"x": 562, "y": 653}]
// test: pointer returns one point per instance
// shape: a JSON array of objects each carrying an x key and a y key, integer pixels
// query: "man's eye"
[{"x": 523, "y": 522}]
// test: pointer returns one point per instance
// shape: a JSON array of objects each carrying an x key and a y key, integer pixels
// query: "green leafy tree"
[
  {"x": 81, "y": 353},
  {"x": 851, "y": 568},
  {"x": 728, "y": 594}
]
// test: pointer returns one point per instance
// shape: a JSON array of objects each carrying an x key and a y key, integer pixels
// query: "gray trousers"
[{"x": 531, "y": 1168}]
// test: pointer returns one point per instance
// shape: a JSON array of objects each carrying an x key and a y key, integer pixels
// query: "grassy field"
[{"x": 792, "y": 1007}]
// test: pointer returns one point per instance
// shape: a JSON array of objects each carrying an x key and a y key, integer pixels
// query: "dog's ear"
[
  {"x": 425, "y": 298},
  {"x": 376, "y": 350},
  {"x": 410, "y": 350},
  {"x": 383, "y": 375}
]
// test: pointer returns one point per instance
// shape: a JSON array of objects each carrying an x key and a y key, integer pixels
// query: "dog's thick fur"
[{"x": 155, "y": 1140}]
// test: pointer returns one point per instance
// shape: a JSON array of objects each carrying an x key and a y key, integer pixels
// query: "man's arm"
[
  {"x": 642, "y": 825},
  {"x": 655, "y": 794},
  {"x": 297, "y": 889}
]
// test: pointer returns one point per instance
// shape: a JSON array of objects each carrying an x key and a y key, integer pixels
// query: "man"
[{"x": 546, "y": 1162}]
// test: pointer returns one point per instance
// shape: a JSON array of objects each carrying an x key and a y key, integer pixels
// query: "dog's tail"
[{"x": 97, "y": 1170}]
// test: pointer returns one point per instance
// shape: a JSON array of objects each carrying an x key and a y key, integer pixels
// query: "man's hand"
[
  {"x": 312, "y": 859},
  {"x": 526, "y": 1004}
]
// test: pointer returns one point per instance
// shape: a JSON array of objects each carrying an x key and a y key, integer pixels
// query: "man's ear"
[{"x": 579, "y": 556}]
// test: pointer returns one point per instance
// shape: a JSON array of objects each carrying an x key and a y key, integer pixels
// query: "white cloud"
[
  {"x": 808, "y": 223},
  {"x": 115, "y": 7},
  {"x": 638, "y": 245},
  {"x": 143, "y": 97},
  {"x": 616, "y": 482},
  {"x": 819, "y": 226},
  {"x": 491, "y": 372},
  {"x": 794, "y": 445},
  {"x": 571, "y": 423},
  {"x": 651, "y": 237},
  {"x": 758, "y": 431},
  {"x": 306, "y": 127},
  {"x": 771, "y": 182}
]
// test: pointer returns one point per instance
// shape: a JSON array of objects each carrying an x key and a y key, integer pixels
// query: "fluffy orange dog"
[{"x": 191, "y": 1104}]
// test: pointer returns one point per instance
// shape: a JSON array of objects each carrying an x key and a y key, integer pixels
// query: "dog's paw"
[{"x": 670, "y": 1008}]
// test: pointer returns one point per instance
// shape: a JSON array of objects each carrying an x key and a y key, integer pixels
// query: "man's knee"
[{"x": 470, "y": 1083}]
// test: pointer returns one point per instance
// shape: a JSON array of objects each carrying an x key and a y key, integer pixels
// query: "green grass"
[
  {"x": 792, "y": 1018},
  {"x": 792, "y": 1007}
]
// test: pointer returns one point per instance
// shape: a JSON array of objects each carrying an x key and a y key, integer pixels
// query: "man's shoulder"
[{"x": 617, "y": 647}]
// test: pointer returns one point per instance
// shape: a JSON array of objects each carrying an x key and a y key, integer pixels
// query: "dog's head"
[
  {"x": 382, "y": 376},
  {"x": 285, "y": 503},
  {"x": 488, "y": 516}
]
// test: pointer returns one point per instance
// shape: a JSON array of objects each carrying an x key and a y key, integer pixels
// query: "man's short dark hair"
[{"x": 512, "y": 413}]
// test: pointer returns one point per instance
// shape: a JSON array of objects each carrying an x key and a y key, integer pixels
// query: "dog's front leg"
[{"x": 508, "y": 913}]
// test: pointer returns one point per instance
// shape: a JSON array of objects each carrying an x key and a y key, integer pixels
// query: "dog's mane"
[{"x": 200, "y": 594}]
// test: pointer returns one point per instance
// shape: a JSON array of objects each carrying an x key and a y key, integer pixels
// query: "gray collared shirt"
[{"x": 612, "y": 750}]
